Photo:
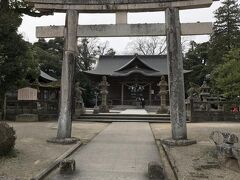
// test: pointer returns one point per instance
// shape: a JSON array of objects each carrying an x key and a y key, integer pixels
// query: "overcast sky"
[{"x": 27, "y": 29}]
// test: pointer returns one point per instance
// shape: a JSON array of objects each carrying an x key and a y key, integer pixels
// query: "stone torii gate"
[{"x": 172, "y": 29}]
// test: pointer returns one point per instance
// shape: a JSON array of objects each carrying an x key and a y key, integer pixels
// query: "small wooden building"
[
  {"x": 41, "y": 97},
  {"x": 131, "y": 77},
  {"x": 49, "y": 87}
]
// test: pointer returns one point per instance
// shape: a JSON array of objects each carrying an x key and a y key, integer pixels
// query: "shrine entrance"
[
  {"x": 136, "y": 91},
  {"x": 131, "y": 78},
  {"x": 172, "y": 30}
]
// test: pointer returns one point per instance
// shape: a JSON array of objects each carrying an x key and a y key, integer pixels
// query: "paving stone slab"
[
  {"x": 134, "y": 111},
  {"x": 121, "y": 152}
]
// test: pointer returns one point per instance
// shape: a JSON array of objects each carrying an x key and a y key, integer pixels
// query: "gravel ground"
[
  {"x": 32, "y": 152},
  {"x": 199, "y": 161}
]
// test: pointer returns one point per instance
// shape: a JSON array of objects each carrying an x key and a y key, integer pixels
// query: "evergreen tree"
[
  {"x": 16, "y": 57},
  {"x": 226, "y": 77},
  {"x": 196, "y": 60},
  {"x": 21, "y": 7},
  {"x": 49, "y": 56},
  {"x": 226, "y": 31}
]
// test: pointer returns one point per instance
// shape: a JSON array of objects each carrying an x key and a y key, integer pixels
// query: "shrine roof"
[
  {"x": 45, "y": 76},
  {"x": 148, "y": 65}
]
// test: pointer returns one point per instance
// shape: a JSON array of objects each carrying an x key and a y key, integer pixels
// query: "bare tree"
[
  {"x": 88, "y": 51},
  {"x": 147, "y": 46},
  {"x": 103, "y": 49}
]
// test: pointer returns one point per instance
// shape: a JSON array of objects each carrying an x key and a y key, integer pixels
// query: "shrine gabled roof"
[
  {"x": 46, "y": 76},
  {"x": 124, "y": 65},
  {"x": 133, "y": 62}
]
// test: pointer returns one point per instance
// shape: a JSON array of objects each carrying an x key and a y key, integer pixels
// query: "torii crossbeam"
[
  {"x": 112, "y": 6},
  {"x": 124, "y": 30}
]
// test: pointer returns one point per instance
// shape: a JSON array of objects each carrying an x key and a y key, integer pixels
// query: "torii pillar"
[
  {"x": 176, "y": 80},
  {"x": 67, "y": 80}
]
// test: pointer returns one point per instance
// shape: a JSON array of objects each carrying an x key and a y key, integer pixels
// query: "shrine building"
[{"x": 131, "y": 77}]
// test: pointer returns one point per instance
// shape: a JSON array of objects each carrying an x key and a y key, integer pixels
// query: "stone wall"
[
  {"x": 195, "y": 114},
  {"x": 46, "y": 110},
  {"x": 200, "y": 116}
]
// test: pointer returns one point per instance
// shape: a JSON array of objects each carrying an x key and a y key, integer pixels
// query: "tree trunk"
[
  {"x": 4, "y": 4},
  {"x": 4, "y": 106}
]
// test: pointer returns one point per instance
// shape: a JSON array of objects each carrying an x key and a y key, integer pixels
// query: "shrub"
[{"x": 7, "y": 139}]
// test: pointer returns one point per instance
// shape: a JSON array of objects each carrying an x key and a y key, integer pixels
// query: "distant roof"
[
  {"x": 53, "y": 84},
  {"x": 124, "y": 65},
  {"x": 46, "y": 76}
]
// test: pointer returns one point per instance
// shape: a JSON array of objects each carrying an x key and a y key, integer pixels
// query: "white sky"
[{"x": 27, "y": 29}]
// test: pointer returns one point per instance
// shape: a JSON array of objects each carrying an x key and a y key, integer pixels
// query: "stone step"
[
  {"x": 125, "y": 115},
  {"x": 121, "y": 117},
  {"x": 124, "y": 118}
]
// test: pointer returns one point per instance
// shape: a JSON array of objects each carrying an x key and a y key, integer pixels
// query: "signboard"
[{"x": 27, "y": 94}]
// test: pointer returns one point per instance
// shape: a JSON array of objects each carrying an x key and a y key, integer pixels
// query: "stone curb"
[
  {"x": 166, "y": 162},
  {"x": 169, "y": 170},
  {"x": 54, "y": 164},
  {"x": 168, "y": 158}
]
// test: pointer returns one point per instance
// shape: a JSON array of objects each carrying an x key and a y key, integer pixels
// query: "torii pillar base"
[
  {"x": 103, "y": 109},
  {"x": 63, "y": 141},
  {"x": 181, "y": 142}
]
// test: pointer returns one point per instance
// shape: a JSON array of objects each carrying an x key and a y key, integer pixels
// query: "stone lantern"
[
  {"x": 204, "y": 91},
  {"x": 104, "y": 92},
  {"x": 79, "y": 104},
  {"x": 204, "y": 94},
  {"x": 163, "y": 96}
]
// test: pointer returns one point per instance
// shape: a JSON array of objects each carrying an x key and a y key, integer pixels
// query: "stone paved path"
[
  {"x": 120, "y": 152},
  {"x": 134, "y": 111}
]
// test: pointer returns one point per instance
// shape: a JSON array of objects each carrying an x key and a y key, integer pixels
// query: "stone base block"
[
  {"x": 232, "y": 164},
  {"x": 64, "y": 141},
  {"x": 79, "y": 112},
  {"x": 162, "y": 110},
  {"x": 67, "y": 166},
  {"x": 103, "y": 109},
  {"x": 95, "y": 110},
  {"x": 181, "y": 142},
  {"x": 155, "y": 171},
  {"x": 27, "y": 118}
]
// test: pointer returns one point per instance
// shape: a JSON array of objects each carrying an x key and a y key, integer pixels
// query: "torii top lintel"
[{"x": 94, "y": 6}]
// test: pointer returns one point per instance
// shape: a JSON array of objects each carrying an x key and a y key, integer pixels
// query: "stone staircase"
[{"x": 108, "y": 117}]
